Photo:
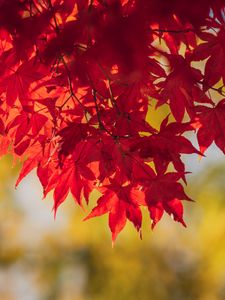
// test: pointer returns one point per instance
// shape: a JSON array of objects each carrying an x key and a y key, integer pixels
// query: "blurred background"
[{"x": 68, "y": 259}]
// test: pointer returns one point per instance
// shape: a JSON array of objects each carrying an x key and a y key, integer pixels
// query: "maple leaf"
[
  {"x": 164, "y": 193},
  {"x": 77, "y": 79},
  {"x": 214, "y": 49},
  {"x": 180, "y": 86},
  {"x": 35, "y": 156},
  {"x": 19, "y": 79},
  {"x": 122, "y": 203},
  {"x": 208, "y": 118},
  {"x": 166, "y": 146}
]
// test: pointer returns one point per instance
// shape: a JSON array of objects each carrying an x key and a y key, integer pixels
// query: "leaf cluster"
[{"x": 77, "y": 78}]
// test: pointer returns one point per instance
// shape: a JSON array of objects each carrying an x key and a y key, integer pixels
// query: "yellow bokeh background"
[{"x": 68, "y": 259}]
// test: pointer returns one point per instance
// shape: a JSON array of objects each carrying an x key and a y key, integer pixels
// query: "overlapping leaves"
[{"x": 77, "y": 79}]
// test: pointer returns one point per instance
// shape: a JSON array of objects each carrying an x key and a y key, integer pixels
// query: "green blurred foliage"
[{"x": 73, "y": 260}]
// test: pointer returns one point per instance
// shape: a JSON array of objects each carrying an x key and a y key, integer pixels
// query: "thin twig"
[{"x": 180, "y": 31}]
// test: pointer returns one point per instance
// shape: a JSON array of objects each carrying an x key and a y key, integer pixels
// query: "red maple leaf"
[
  {"x": 208, "y": 118},
  {"x": 122, "y": 203},
  {"x": 165, "y": 193},
  {"x": 77, "y": 79}
]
